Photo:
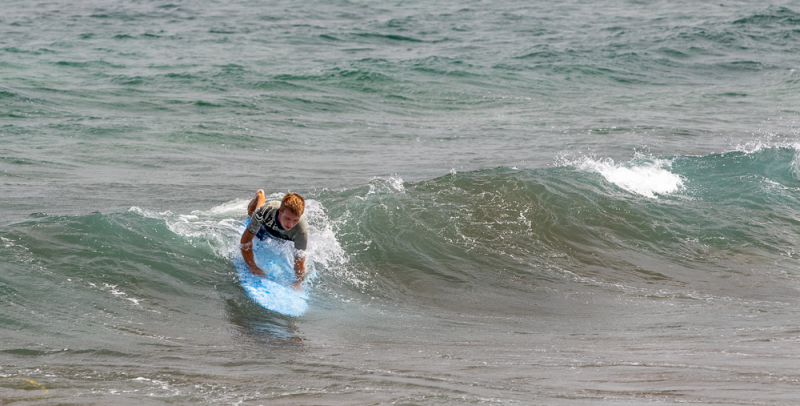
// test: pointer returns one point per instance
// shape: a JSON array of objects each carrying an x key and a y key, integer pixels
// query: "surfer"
[{"x": 278, "y": 219}]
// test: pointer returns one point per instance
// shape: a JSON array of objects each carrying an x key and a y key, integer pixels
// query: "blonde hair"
[{"x": 295, "y": 203}]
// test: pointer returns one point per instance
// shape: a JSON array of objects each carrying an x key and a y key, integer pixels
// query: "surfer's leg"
[{"x": 257, "y": 202}]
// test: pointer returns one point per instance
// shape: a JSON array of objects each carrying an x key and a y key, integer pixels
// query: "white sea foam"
[
  {"x": 393, "y": 183},
  {"x": 795, "y": 165},
  {"x": 753, "y": 146},
  {"x": 215, "y": 227},
  {"x": 644, "y": 176}
]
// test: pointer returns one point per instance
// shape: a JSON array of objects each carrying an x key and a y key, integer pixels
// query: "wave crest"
[{"x": 645, "y": 176}]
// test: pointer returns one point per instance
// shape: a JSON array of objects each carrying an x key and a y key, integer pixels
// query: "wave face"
[
  {"x": 650, "y": 221},
  {"x": 575, "y": 241}
]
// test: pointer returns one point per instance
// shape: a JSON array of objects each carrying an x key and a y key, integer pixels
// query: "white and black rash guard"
[{"x": 265, "y": 222}]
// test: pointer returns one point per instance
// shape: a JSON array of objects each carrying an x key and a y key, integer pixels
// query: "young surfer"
[{"x": 279, "y": 219}]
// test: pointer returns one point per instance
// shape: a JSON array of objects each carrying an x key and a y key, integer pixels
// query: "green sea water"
[{"x": 547, "y": 203}]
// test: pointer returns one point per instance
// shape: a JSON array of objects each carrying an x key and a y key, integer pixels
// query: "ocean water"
[{"x": 510, "y": 202}]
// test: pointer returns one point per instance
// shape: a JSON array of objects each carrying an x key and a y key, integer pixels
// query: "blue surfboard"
[{"x": 275, "y": 291}]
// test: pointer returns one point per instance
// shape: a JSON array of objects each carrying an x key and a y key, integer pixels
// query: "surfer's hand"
[{"x": 256, "y": 271}]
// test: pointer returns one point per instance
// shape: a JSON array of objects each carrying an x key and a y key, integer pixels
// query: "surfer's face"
[{"x": 287, "y": 218}]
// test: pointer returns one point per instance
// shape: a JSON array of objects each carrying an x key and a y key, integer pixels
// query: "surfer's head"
[
  {"x": 292, "y": 207},
  {"x": 294, "y": 203}
]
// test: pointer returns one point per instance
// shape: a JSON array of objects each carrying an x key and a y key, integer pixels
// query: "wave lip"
[{"x": 644, "y": 176}]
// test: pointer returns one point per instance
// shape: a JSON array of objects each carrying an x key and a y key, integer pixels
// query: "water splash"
[{"x": 645, "y": 176}]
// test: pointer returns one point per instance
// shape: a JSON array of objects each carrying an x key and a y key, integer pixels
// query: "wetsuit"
[{"x": 264, "y": 222}]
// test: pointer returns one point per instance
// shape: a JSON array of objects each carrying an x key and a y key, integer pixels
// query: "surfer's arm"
[
  {"x": 247, "y": 253},
  {"x": 300, "y": 268},
  {"x": 300, "y": 244}
]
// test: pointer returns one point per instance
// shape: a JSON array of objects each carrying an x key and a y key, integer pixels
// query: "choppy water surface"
[{"x": 558, "y": 203}]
